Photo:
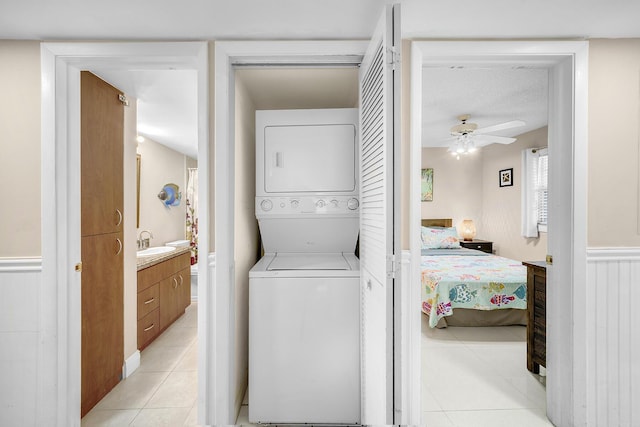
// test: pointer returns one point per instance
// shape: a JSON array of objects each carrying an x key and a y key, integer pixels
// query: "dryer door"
[{"x": 310, "y": 158}]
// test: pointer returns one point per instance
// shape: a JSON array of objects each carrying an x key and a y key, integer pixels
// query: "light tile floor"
[
  {"x": 477, "y": 377},
  {"x": 163, "y": 390},
  {"x": 471, "y": 377}
]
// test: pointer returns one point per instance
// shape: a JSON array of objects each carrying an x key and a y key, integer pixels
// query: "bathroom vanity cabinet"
[{"x": 164, "y": 291}]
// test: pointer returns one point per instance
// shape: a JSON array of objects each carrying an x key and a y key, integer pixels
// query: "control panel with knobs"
[{"x": 336, "y": 205}]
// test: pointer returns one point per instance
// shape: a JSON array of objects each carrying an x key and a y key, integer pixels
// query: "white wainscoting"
[
  {"x": 19, "y": 295},
  {"x": 407, "y": 395},
  {"x": 613, "y": 337}
]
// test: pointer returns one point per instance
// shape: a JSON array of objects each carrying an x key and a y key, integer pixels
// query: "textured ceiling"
[{"x": 490, "y": 95}]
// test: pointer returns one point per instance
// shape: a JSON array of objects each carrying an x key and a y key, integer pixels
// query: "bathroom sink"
[{"x": 158, "y": 250}]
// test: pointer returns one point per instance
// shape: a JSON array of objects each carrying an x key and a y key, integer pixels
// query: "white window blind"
[
  {"x": 535, "y": 167},
  {"x": 541, "y": 192}
]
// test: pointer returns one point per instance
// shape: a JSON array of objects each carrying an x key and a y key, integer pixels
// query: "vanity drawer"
[
  {"x": 148, "y": 300},
  {"x": 148, "y": 328}
]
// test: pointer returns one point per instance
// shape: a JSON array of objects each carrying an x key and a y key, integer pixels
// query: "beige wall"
[
  {"x": 20, "y": 211},
  {"x": 129, "y": 224},
  {"x": 502, "y": 206},
  {"x": 160, "y": 165},
  {"x": 457, "y": 186},
  {"x": 614, "y": 138},
  {"x": 246, "y": 234},
  {"x": 468, "y": 189}
]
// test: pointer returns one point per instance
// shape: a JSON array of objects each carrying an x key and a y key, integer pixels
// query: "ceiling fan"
[{"x": 466, "y": 137}]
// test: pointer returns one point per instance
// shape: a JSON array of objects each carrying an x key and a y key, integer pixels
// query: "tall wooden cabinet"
[{"x": 102, "y": 139}]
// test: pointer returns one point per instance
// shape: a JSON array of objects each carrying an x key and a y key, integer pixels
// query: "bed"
[{"x": 466, "y": 287}]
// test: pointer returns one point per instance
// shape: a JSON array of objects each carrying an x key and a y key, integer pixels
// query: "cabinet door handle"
[
  {"x": 175, "y": 283},
  {"x": 150, "y": 327},
  {"x": 181, "y": 280},
  {"x": 119, "y": 217},
  {"x": 149, "y": 301},
  {"x": 119, "y": 246}
]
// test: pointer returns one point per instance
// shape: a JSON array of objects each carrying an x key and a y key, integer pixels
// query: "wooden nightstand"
[{"x": 481, "y": 245}]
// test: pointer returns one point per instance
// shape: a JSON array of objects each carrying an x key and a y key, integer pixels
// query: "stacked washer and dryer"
[{"x": 304, "y": 299}]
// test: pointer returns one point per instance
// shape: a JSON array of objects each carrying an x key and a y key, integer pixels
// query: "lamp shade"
[{"x": 468, "y": 229}]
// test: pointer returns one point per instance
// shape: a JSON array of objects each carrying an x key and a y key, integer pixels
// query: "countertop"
[{"x": 148, "y": 261}]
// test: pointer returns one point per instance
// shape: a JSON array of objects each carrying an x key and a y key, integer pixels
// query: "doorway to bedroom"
[
  {"x": 567, "y": 66},
  {"x": 477, "y": 122}
]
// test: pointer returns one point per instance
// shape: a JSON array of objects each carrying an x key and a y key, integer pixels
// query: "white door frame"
[
  {"x": 566, "y": 354},
  {"x": 58, "y": 359},
  {"x": 227, "y": 55}
]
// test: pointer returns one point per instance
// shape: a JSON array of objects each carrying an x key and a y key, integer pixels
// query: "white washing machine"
[
  {"x": 304, "y": 298},
  {"x": 304, "y": 346}
]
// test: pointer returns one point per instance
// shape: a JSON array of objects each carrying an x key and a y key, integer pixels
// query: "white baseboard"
[{"x": 131, "y": 364}]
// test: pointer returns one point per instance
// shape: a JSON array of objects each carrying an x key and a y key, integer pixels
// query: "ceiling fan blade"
[
  {"x": 491, "y": 139},
  {"x": 445, "y": 142},
  {"x": 501, "y": 126}
]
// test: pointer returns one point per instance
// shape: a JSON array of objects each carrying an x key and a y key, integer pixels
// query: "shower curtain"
[{"x": 192, "y": 213}]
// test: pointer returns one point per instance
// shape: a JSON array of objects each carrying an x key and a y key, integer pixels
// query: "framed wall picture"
[
  {"x": 426, "y": 182},
  {"x": 506, "y": 177}
]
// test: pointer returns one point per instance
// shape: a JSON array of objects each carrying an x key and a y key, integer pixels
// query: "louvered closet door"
[{"x": 376, "y": 222}]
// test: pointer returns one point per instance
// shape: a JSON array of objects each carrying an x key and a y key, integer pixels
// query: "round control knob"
[
  {"x": 334, "y": 203},
  {"x": 320, "y": 204},
  {"x": 266, "y": 205},
  {"x": 353, "y": 204},
  {"x": 294, "y": 204}
]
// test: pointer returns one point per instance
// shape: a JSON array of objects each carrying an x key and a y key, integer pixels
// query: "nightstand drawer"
[{"x": 480, "y": 245}]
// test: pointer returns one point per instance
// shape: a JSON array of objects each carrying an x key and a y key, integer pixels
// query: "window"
[
  {"x": 541, "y": 173},
  {"x": 535, "y": 166}
]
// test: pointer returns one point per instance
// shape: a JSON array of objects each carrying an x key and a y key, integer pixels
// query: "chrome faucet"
[{"x": 144, "y": 243}]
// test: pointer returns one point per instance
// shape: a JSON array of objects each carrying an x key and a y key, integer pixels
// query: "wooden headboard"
[{"x": 438, "y": 222}]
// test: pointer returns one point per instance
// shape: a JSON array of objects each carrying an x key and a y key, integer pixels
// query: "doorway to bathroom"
[
  {"x": 62, "y": 64},
  {"x": 160, "y": 218}
]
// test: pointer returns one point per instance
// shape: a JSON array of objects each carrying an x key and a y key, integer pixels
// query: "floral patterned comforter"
[{"x": 479, "y": 282}]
